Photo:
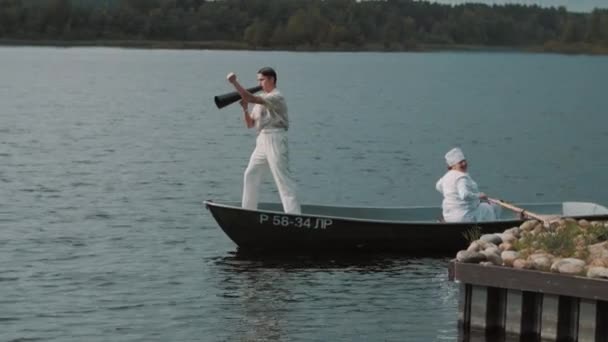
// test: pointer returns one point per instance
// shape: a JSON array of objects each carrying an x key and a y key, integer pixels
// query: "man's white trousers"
[{"x": 271, "y": 151}]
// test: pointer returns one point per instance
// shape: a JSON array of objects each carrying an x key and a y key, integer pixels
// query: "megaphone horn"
[{"x": 223, "y": 100}]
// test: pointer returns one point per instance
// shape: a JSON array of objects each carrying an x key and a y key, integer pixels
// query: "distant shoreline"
[{"x": 551, "y": 47}]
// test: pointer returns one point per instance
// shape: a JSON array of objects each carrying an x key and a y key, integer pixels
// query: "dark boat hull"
[{"x": 264, "y": 231}]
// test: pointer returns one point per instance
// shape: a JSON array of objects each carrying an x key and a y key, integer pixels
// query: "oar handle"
[{"x": 521, "y": 211}]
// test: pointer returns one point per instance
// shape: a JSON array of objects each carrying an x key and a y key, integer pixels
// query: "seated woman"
[{"x": 462, "y": 201}]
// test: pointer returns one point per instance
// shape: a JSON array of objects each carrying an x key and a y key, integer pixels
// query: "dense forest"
[{"x": 301, "y": 24}]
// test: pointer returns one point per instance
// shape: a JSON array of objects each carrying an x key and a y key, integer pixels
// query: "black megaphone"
[{"x": 223, "y": 100}]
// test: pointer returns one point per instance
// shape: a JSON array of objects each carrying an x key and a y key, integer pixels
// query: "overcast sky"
[{"x": 571, "y": 5}]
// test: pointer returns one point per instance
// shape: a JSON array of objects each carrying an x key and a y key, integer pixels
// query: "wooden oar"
[{"x": 546, "y": 219}]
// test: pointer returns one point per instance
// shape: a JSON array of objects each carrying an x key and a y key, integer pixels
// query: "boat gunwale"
[{"x": 208, "y": 203}]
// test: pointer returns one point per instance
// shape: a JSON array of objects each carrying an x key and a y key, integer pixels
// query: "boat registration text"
[{"x": 296, "y": 222}]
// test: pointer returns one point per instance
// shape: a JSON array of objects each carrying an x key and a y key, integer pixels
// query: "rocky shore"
[{"x": 566, "y": 246}]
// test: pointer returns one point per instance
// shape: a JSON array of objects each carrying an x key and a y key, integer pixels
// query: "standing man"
[{"x": 269, "y": 117}]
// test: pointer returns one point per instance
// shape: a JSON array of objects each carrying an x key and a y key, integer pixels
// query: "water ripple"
[{"x": 107, "y": 154}]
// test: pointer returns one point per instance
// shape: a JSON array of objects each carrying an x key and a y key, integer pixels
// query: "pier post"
[{"x": 549, "y": 306}]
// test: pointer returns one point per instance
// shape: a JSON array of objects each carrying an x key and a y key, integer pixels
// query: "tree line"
[{"x": 303, "y": 24}]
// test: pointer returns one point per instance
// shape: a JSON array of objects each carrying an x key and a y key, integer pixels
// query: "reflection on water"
[
  {"x": 289, "y": 297},
  {"x": 263, "y": 298},
  {"x": 240, "y": 261},
  {"x": 275, "y": 294}
]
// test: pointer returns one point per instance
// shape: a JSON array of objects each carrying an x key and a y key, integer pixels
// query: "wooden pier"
[{"x": 531, "y": 304}]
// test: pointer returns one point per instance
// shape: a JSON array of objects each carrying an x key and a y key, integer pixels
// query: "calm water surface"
[{"x": 107, "y": 155}]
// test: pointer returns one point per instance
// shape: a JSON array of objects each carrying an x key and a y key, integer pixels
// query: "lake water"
[{"x": 106, "y": 155}]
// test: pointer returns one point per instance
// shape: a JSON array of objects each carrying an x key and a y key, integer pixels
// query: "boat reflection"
[{"x": 301, "y": 297}]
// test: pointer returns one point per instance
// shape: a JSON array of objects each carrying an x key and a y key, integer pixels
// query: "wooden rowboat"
[{"x": 410, "y": 230}]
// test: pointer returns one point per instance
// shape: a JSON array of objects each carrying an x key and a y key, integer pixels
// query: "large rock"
[
  {"x": 493, "y": 256},
  {"x": 597, "y": 272},
  {"x": 598, "y": 250},
  {"x": 513, "y": 231},
  {"x": 528, "y": 225},
  {"x": 470, "y": 257},
  {"x": 599, "y": 262},
  {"x": 505, "y": 246},
  {"x": 508, "y": 257},
  {"x": 569, "y": 266},
  {"x": 507, "y": 237},
  {"x": 521, "y": 264},
  {"x": 540, "y": 261},
  {"x": 483, "y": 245},
  {"x": 474, "y": 247},
  {"x": 492, "y": 238},
  {"x": 493, "y": 249}
]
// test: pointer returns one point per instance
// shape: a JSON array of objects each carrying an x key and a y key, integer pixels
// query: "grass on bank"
[
  {"x": 472, "y": 234},
  {"x": 566, "y": 240}
]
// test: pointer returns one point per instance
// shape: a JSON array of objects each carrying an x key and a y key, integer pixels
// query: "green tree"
[
  {"x": 574, "y": 30},
  {"x": 58, "y": 17},
  {"x": 258, "y": 33}
]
